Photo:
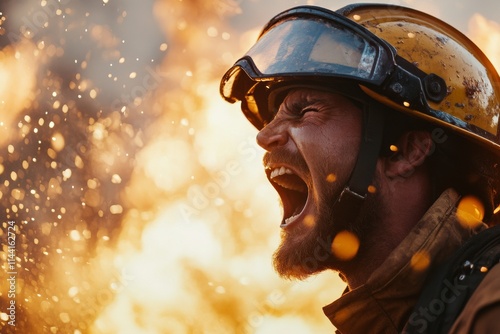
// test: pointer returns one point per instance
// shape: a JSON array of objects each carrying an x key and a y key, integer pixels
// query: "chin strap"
[{"x": 348, "y": 204}]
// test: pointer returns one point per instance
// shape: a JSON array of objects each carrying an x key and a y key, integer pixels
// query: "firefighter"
[{"x": 380, "y": 126}]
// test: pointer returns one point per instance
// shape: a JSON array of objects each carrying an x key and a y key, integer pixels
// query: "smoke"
[{"x": 486, "y": 34}]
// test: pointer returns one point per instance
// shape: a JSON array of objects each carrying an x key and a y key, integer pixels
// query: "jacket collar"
[{"x": 383, "y": 304}]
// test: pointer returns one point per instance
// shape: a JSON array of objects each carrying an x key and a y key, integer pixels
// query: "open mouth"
[{"x": 292, "y": 190}]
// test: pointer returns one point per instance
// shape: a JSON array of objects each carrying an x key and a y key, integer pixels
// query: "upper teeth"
[{"x": 280, "y": 171}]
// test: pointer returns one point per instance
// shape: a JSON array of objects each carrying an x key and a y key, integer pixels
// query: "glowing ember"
[
  {"x": 420, "y": 261},
  {"x": 345, "y": 245},
  {"x": 470, "y": 211},
  {"x": 331, "y": 178},
  {"x": 372, "y": 189}
]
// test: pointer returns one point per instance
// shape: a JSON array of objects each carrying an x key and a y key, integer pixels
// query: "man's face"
[{"x": 312, "y": 146}]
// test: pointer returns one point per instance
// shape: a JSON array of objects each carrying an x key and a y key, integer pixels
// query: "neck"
[{"x": 387, "y": 220}]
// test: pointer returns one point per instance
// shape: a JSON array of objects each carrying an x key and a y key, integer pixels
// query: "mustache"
[{"x": 283, "y": 156}]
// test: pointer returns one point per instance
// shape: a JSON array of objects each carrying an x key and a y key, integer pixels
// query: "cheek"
[
  {"x": 337, "y": 139},
  {"x": 338, "y": 159},
  {"x": 327, "y": 151}
]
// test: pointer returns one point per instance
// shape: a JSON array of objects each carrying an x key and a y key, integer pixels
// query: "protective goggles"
[{"x": 312, "y": 44}]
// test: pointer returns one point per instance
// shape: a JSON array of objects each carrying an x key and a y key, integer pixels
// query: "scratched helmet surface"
[{"x": 472, "y": 103}]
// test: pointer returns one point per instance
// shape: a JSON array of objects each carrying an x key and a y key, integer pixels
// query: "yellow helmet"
[{"x": 473, "y": 84}]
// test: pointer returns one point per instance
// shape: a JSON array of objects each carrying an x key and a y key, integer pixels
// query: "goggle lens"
[{"x": 314, "y": 46}]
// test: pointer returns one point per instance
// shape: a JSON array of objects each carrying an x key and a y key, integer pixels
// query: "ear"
[{"x": 411, "y": 150}]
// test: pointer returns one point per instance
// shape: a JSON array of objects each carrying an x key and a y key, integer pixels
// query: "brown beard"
[{"x": 305, "y": 251}]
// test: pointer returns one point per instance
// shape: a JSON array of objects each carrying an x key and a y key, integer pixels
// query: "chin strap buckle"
[{"x": 349, "y": 195}]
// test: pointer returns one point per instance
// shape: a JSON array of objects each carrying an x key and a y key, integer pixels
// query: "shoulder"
[
  {"x": 465, "y": 291},
  {"x": 481, "y": 314}
]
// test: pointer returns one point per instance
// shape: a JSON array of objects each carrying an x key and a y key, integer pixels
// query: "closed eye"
[{"x": 308, "y": 109}]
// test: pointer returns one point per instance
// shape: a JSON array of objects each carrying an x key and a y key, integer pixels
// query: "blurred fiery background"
[{"x": 137, "y": 194}]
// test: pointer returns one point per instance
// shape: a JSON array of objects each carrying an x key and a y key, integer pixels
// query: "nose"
[{"x": 272, "y": 135}]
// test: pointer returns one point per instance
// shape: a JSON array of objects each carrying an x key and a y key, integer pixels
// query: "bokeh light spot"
[
  {"x": 345, "y": 245},
  {"x": 470, "y": 211},
  {"x": 309, "y": 221},
  {"x": 66, "y": 174},
  {"x": 64, "y": 317},
  {"x": 331, "y": 177},
  {"x": 58, "y": 141},
  {"x": 116, "y": 209},
  {"x": 74, "y": 235},
  {"x": 116, "y": 179},
  {"x": 420, "y": 261}
]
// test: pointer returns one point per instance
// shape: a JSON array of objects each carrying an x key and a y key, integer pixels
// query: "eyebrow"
[{"x": 299, "y": 104}]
